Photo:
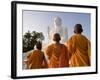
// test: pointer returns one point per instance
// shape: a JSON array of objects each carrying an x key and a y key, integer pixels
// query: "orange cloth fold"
[
  {"x": 57, "y": 55},
  {"x": 79, "y": 50},
  {"x": 36, "y": 60}
]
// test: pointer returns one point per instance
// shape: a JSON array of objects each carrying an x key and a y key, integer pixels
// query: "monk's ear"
[
  {"x": 82, "y": 30},
  {"x": 74, "y": 31}
]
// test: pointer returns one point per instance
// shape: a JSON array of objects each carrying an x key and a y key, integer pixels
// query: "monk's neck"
[
  {"x": 78, "y": 33},
  {"x": 57, "y": 42},
  {"x": 38, "y": 49}
]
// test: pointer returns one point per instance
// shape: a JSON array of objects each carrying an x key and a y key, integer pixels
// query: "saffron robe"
[
  {"x": 58, "y": 55},
  {"x": 36, "y": 60},
  {"x": 79, "y": 50}
]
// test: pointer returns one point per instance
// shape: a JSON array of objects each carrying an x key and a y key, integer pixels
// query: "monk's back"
[
  {"x": 54, "y": 52},
  {"x": 81, "y": 42},
  {"x": 78, "y": 47},
  {"x": 37, "y": 59}
]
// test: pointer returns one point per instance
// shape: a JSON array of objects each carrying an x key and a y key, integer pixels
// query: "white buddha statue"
[{"x": 58, "y": 28}]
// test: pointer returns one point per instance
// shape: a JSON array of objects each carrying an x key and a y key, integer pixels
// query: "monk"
[
  {"x": 79, "y": 48},
  {"x": 57, "y": 53},
  {"x": 36, "y": 59}
]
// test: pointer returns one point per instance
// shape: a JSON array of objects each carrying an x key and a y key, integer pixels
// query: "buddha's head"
[{"x": 57, "y": 21}]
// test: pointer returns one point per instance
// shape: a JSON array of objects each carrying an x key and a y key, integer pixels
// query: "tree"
[{"x": 30, "y": 39}]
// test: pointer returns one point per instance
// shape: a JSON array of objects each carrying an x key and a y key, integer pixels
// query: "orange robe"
[
  {"x": 79, "y": 50},
  {"x": 57, "y": 55},
  {"x": 35, "y": 60}
]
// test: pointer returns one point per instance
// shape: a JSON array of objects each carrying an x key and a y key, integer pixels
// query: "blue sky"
[{"x": 40, "y": 20}]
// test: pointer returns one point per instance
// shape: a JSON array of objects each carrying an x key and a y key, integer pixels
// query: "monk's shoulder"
[
  {"x": 72, "y": 38},
  {"x": 34, "y": 52},
  {"x": 75, "y": 36},
  {"x": 42, "y": 52},
  {"x": 50, "y": 46},
  {"x": 63, "y": 46},
  {"x": 84, "y": 37},
  {"x": 38, "y": 53}
]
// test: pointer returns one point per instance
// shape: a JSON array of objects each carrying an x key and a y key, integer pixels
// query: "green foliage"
[{"x": 30, "y": 39}]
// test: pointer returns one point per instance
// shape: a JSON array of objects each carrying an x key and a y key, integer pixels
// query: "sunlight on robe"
[
  {"x": 57, "y": 55},
  {"x": 36, "y": 60},
  {"x": 79, "y": 50}
]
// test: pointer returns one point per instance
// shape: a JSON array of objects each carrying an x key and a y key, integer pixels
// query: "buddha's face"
[{"x": 57, "y": 21}]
